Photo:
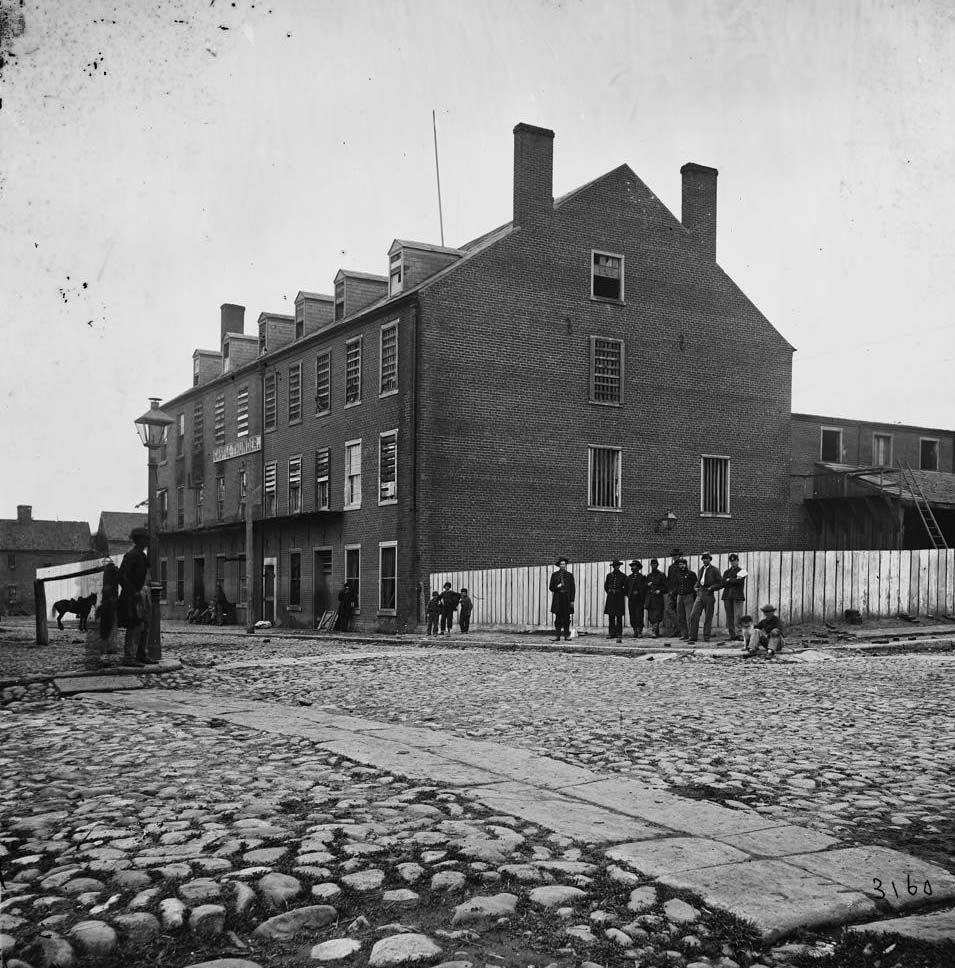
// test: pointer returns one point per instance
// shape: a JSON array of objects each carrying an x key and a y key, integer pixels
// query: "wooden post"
[{"x": 39, "y": 601}]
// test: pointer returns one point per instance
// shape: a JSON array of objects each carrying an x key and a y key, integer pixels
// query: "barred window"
[
  {"x": 714, "y": 485},
  {"x": 269, "y": 488},
  {"x": 295, "y": 484},
  {"x": 271, "y": 406},
  {"x": 295, "y": 393},
  {"x": 323, "y": 461},
  {"x": 353, "y": 474},
  {"x": 353, "y": 371},
  {"x": 323, "y": 382},
  {"x": 606, "y": 370},
  {"x": 388, "y": 467},
  {"x": 198, "y": 427},
  {"x": 607, "y": 276},
  {"x": 389, "y": 358},
  {"x": 219, "y": 419},
  {"x": 242, "y": 412},
  {"x": 220, "y": 497},
  {"x": 604, "y": 478}
]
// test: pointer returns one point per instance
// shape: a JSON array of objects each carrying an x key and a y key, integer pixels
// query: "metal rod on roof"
[{"x": 437, "y": 171}]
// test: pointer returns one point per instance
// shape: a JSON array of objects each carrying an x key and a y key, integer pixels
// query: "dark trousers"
[
  {"x": 734, "y": 611},
  {"x": 432, "y": 623},
  {"x": 616, "y": 626},
  {"x": 635, "y": 606},
  {"x": 465, "y": 621},
  {"x": 684, "y": 607},
  {"x": 703, "y": 606},
  {"x": 654, "y": 609},
  {"x": 562, "y": 624},
  {"x": 447, "y": 619}
]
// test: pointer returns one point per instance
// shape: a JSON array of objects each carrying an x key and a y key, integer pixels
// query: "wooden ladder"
[{"x": 923, "y": 507}]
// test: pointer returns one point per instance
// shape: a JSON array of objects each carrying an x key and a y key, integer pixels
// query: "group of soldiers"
[{"x": 689, "y": 596}]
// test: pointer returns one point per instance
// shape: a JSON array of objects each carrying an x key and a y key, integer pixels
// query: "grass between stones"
[{"x": 862, "y": 950}]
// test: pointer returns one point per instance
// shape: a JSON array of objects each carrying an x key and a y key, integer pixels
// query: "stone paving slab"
[
  {"x": 581, "y": 821},
  {"x": 775, "y": 896},
  {"x": 874, "y": 870},
  {"x": 70, "y": 685},
  {"x": 937, "y": 926},
  {"x": 673, "y": 854},
  {"x": 698, "y": 817},
  {"x": 780, "y": 841},
  {"x": 518, "y": 764}
]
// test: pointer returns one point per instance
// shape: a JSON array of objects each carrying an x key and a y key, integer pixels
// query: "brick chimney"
[
  {"x": 699, "y": 205},
  {"x": 233, "y": 319},
  {"x": 24, "y": 513},
  {"x": 533, "y": 174}
]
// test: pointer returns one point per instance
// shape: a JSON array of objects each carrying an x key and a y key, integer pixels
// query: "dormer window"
[
  {"x": 262, "y": 340},
  {"x": 339, "y": 299},
  {"x": 225, "y": 356},
  {"x": 299, "y": 324},
  {"x": 195, "y": 371},
  {"x": 395, "y": 273}
]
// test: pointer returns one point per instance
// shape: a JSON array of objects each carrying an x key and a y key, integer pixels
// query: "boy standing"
[
  {"x": 467, "y": 606},
  {"x": 433, "y": 611}
]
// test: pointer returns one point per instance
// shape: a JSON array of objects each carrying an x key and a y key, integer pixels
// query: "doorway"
[
  {"x": 268, "y": 589},
  {"x": 322, "y": 582},
  {"x": 199, "y": 580}
]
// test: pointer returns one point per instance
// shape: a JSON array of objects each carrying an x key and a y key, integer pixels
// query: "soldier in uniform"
[
  {"x": 685, "y": 589},
  {"x": 563, "y": 592},
  {"x": 636, "y": 595},
  {"x": 615, "y": 585},
  {"x": 655, "y": 596}
]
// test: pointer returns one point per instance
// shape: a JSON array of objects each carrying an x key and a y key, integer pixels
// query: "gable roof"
[
  {"x": 116, "y": 525},
  {"x": 44, "y": 535}
]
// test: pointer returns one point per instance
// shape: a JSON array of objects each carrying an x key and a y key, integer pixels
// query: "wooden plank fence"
[
  {"x": 73, "y": 587},
  {"x": 805, "y": 587}
]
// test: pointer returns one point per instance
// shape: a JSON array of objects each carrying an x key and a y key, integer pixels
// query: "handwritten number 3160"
[{"x": 910, "y": 887}]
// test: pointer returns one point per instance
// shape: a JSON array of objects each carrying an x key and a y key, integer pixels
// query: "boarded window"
[
  {"x": 198, "y": 428},
  {"x": 295, "y": 484},
  {"x": 269, "y": 489},
  {"x": 323, "y": 382},
  {"x": 715, "y": 485},
  {"x": 295, "y": 393},
  {"x": 242, "y": 412},
  {"x": 322, "y": 473},
  {"x": 353, "y": 371},
  {"x": 219, "y": 419},
  {"x": 389, "y": 358},
  {"x": 271, "y": 407},
  {"x": 604, "y": 466}
]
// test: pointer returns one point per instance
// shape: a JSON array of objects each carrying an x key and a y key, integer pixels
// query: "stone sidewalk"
[{"x": 779, "y": 876}]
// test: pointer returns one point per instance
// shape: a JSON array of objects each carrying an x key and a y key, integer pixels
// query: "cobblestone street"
[{"x": 185, "y": 823}]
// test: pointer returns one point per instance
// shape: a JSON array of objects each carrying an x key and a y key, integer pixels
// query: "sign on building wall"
[{"x": 238, "y": 448}]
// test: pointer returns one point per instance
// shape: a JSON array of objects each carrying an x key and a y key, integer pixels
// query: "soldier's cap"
[
  {"x": 734, "y": 557},
  {"x": 706, "y": 556},
  {"x": 615, "y": 563},
  {"x": 768, "y": 608},
  {"x": 138, "y": 533},
  {"x": 560, "y": 561},
  {"x": 675, "y": 553},
  {"x": 638, "y": 564}
]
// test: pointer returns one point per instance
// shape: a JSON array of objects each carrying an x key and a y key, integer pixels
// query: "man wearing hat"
[
  {"x": 674, "y": 621},
  {"x": 636, "y": 596},
  {"x": 685, "y": 584},
  {"x": 562, "y": 592},
  {"x": 733, "y": 597},
  {"x": 615, "y": 585},
  {"x": 708, "y": 580},
  {"x": 655, "y": 595},
  {"x": 133, "y": 600},
  {"x": 770, "y": 631}
]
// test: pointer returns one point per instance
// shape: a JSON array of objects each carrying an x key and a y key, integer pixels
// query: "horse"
[{"x": 80, "y": 607}]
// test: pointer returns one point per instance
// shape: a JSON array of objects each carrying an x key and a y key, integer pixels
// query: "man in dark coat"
[
  {"x": 708, "y": 581},
  {"x": 563, "y": 592},
  {"x": 655, "y": 595},
  {"x": 674, "y": 622},
  {"x": 133, "y": 603},
  {"x": 615, "y": 585},
  {"x": 636, "y": 594},
  {"x": 450, "y": 600},
  {"x": 684, "y": 587},
  {"x": 346, "y": 606},
  {"x": 733, "y": 597}
]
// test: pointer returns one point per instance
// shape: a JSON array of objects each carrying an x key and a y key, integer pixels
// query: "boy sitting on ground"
[{"x": 764, "y": 635}]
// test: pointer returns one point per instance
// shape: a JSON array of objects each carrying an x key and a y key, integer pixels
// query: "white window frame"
[
  {"x": 352, "y": 481},
  {"x": 618, "y": 496},
  {"x": 382, "y": 391},
  {"x": 381, "y": 546},
  {"x": 393, "y": 497},
  {"x": 297, "y": 480},
  {"x": 327, "y": 357},
  {"x": 729, "y": 465},
  {"x": 890, "y": 438},
  {"x": 938, "y": 452},
  {"x": 838, "y": 430},
  {"x": 350, "y": 343},
  {"x": 623, "y": 263},
  {"x": 345, "y": 550},
  {"x": 593, "y": 371}
]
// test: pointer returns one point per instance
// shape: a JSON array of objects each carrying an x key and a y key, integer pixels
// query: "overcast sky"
[{"x": 158, "y": 159}]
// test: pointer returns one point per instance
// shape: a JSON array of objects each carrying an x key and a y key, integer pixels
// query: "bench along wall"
[{"x": 805, "y": 586}]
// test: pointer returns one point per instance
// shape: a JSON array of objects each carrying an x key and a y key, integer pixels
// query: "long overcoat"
[
  {"x": 563, "y": 592},
  {"x": 615, "y": 585}
]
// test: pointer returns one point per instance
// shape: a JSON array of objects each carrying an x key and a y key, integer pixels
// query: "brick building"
[
  {"x": 558, "y": 384},
  {"x": 858, "y": 484},
  {"x": 27, "y": 544}
]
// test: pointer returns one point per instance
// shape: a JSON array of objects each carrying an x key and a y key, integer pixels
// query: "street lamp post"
[{"x": 152, "y": 427}]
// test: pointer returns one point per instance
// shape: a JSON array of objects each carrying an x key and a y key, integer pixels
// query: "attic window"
[
  {"x": 340, "y": 299},
  {"x": 606, "y": 277},
  {"x": 262, "y": 338},
  {"x": 195, "y": 371},
  {"x": 299, "y": 324},
  {"x": 395, "y": 273}
]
